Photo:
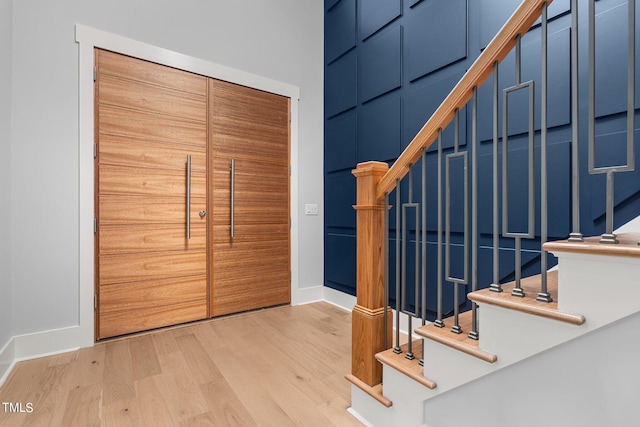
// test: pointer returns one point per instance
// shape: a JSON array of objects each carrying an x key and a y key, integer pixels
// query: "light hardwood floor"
[{"x": 283, "y": 366}]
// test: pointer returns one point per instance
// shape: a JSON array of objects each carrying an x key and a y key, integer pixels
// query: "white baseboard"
[
  {"x": 307, "y": 295},
  {"x": 7, "y": 360},
  {"x": 36, "y": 345},
  {"x": 47, "y": 343},
  {"x": 339, "y": 299}
]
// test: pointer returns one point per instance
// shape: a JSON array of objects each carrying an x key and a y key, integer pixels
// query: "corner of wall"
[{"x": 7, "y": 360}]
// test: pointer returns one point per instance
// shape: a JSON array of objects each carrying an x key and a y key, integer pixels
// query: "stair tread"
[
  {"x": 461, "y": 341},
  {"x": 409, "y": 367},
  {"x": 628, "y": 246},
  {"x": 373, "y": 391},
  {"x": 528, "y": 303}
]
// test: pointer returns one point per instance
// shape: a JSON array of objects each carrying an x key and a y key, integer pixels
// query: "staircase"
[
  {"x": 552, "y": 349},
  {"x": 572, "y": 358}
]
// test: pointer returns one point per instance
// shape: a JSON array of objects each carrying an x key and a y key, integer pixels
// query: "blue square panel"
[
  {"x": 340, "y": 85},
  {"x": 495, "y": 13},
  {"x": 379, "y": 65},
  {"x": 379, "y": 129},
  {"x": 558, "y": 90},
  {"x": 422, "y": 102},
  {"x": 611, "y": 60},
  {"x": 436, "y": 37},
  {"x": 340, "y": 142},
  {"x": 340, "y": 261},
  {"x": 340, "y": 29},
  {"x": 375, "y": 14},
  {"x": 340, "y": 196}
]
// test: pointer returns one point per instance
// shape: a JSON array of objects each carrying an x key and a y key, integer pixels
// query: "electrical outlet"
[{"x": 311, "y": 209}]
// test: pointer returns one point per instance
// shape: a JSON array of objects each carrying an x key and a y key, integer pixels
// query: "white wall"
[
  {"x": 278, "y": 39},
  {"x": 591, "y": 381},
  {"x": 6, "y": 330}
]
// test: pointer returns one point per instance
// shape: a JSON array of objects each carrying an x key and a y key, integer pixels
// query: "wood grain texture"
[
  {"x": 528, "y": 303},
  {"x": 149, "y": 119},
  {"x": 627, "y": 246},
  {"x": 368, "y": 314},
  {"x": 125, "y": 180},
  {"x": 409, "y": 367},
  {"x": 147, "y": 304},
  {"x": 120, "y": 239},
  {"x": 460, "y": 342},
  {"x": 282, "y": 366},
  {"x": 133, "y": 95},
  {"x": 114, "y": 64},
  {"x": 142, "y": 126},
  {"x": 252, "y": 269}
]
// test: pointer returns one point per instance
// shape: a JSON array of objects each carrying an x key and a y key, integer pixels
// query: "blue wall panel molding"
[
  {"x": 494, "y": 14},
  {"x": 340, "y": 30},
  {"x": 340, "y": 261},
  {"x": 388, "y": 66},
  {"x": 559, "y": 90},
  {"x": 340, "y": 148},
  {"x": 341, "y": 88},
  {"x": 379, "y": 64},
  {"x": 380, "y": 139},
  {"x": 422, "y": 101},
  {"x": 328, "y": 4},
  {"x": 375, "y": 14},
  {"x": 340, "y": 196},
  {"x": 436, "y": 36},
  {"x": 611, "y": 60}
]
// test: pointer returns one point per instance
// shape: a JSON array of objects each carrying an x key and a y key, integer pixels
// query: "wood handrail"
[{"x": 519, "y": 23}]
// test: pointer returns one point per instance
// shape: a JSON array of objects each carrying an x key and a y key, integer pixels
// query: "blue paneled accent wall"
[{"x": 388, "y": 66}]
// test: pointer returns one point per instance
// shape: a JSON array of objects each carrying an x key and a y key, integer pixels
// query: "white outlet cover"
[{"x": 311, "y": 209}]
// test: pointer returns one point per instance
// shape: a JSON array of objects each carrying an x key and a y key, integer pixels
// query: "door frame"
[{"x": 90, "y": 38}]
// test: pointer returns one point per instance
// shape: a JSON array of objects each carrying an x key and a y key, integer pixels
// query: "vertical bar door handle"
[
  {"x": 188, "y": 197},
  {"x": 233, "y": 201}
]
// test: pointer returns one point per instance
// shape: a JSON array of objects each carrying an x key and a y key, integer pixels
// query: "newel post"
[{"x": 368, "y": 314}]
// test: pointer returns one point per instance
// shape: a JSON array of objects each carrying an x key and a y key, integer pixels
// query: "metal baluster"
[
  {"x": 424, "y": 246},
  {"x": 439, "y": 323},
  {"x": 495, "y": 286},
  {"x": 456, "y": 280},
  {"x": 517, "y": 290},
  {"x": 609, "y": 236},
  {"x": 576, "y": 235},
  {"x": 543, "y": 295},
  {"x": 473, "y": 334},
  {"x": 410, "y": 204},
  {"x": 396, "y": 348},
  {"x": 386, "y": 271}
]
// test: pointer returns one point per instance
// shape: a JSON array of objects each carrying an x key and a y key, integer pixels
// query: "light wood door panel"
[
  {"x": 252, "y": 269},
  {"x": 145, "y": 210},
  {"x": 122, "y": 239},
  {"x": 132, "y": 95},
  {"x": 134, "y": 267},
  {"x": 143, "y": 126},
  {"x": 134, "y": 152},
  {"x": 149, "y": 118},
  {"x": 141, "y": 71},
  {"x": 151, "y": 182},
  {"x": 137, "y": 306}
]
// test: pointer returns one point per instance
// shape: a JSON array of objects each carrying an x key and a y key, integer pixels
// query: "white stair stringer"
[
  {"x": 590, "y": 381},
  {"x": 602, "y": 288}
]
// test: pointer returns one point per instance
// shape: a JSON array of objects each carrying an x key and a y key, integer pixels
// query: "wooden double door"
[{"x": 192, "y": 196}]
